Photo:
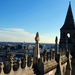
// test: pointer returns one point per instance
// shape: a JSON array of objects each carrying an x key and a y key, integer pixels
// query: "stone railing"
[
  {"x": 47, "y": 56},
  {"x": 14, "y": 67}
]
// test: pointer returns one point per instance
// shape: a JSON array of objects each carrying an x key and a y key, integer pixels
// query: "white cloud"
[
  {"x": 20, "y": 35},
  {"x": 17, "y": 31}
]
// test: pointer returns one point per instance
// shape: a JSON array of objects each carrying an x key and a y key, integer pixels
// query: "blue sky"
[{"x": 20, "y": 20}]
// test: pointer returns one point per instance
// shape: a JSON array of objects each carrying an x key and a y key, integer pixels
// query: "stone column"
[
  {"x": 31, "y": 63},
  {"x": 56, "y": 45},
  {"x": 42, "y": 58},
  {"x": 58, "y": 60},
  {"x": 11, "y": 72},
  {"x": 19, "y": 71},
  {"x": 10, "y": 58},
  {"x": 19, "y": 63},
  {"x": 26, "y": 68},
  {"x": 59, "y": 69},
  {"x": 37, "y": 52},
  {"x": 50, "y": 54},
  {"x": 68, "y": 67},
  {"x": 54, "y": 56},
  {"x": 1, "y": 68},
  {"x": 24, "y": 55},
  {"x": 48, "y": 57},
  {"x": 45, "y": 56}
]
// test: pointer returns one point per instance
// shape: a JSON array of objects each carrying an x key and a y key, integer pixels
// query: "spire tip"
[{"x": 69, "y": 2}]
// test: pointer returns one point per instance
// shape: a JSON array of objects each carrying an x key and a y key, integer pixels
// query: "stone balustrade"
[
  {"x": 17, "y": 67},
  {"x": 45, "y": 63}
]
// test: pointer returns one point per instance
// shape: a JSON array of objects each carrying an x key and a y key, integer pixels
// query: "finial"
[
  {"x": 56, "y": 39},
  {"x": 37, "y": 34},
  {"x": 37, "y": 37},
  {"x": 69, "y": 2}
]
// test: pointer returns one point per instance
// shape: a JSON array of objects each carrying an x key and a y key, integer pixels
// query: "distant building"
[{"x": 24, "y": 47}]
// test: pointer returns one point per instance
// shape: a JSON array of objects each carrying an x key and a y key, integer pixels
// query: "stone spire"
[
  {"x": 69, "y": 21},
  {"x": 37, "y": 52}
]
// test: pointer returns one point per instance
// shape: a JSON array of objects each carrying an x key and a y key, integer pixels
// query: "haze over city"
[{"x": 21, "y": 19}]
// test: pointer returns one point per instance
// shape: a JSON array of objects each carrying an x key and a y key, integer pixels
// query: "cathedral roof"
[{"x": 69, "y": 21}]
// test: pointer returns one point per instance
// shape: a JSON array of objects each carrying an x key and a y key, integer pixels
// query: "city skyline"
[{"x": 20, "y": 20}]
